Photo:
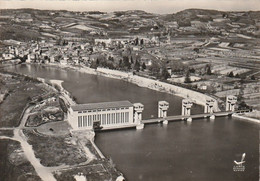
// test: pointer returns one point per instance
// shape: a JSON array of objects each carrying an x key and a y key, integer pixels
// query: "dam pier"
[{"x": 124, "y": 114}]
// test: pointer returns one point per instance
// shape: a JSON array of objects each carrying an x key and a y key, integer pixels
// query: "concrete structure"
[
  {"x": 107, "y": 115},
  {"x": 120, "y": 178},
  {"x": 186, "y": 107},
  {"x": 231, "y": 102},
  {"x": 198, "y": 97},
  {"x": 123, "y": 114},
  {"x": 181, "y": 117},
  {"x": 209, "y": 106},
  {"x": 138, "y": 109},
  {"x": 163, "y": 106},
  {"x": 29, "y": 60}
]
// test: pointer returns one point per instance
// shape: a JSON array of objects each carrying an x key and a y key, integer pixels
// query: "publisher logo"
[{"x": 239, "y": 167}]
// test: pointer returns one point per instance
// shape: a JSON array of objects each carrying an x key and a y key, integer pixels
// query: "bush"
[
  {"x": 57, "y": 87},
  {"x": 29, "y": 99},
  {"x": 187, "y": 78},
  {"x": 63, "y": 105},
  {"x": 231, "y": 74},
  {"x": 40, "y": 99},
  {"x": 30, "y": 79}
]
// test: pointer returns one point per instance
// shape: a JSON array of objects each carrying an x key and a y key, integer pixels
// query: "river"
[{"x": 203, "y": 150}]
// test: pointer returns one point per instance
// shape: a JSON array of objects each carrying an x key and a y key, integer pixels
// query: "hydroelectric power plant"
[{"x": 123, "y": 114}]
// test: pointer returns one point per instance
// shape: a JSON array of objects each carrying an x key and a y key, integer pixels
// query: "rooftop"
[{"x": 101, "y": 105}]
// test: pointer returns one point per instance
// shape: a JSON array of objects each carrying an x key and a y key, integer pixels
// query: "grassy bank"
[
  {"x": 13, "y": 165},
  {"x": 19, "y": 91},
  {"x": 55, "y": 151}
]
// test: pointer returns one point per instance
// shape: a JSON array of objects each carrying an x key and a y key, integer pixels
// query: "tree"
[
  {"x": 137, "y": 66},
  {"x": 93, "y": 65},
  {"x": 192, "y": 70},
  {"x": 231, "y": 74},
  {"x": 136, "y": 41},
  {"x": 103, "y": 45},
  {"x": 224, "y": 15},
  {"x": 165, "y": 74},
  {"x": 57, "y": 87},
  {"x": 74, "y": 98},
  {"x": 187, "y": 78},
  {"x": 209, "y": 70},
  {"x": 142, "y": 41},
  {"x": 143, "y": 66},
  {"x": 111, "y": 58},
  {"x": 24, "y": 58},
  {"x": 154, "y": 69},
  {"x": 197, "y": 50},
  {"x": 237, "y": 75},
  {"x": 126, "y": 63},
  {"x": 120, "y": 63},
  {"x": 252, "y": 77},
  {"x": 132, "y": 61},
  {"x": 40, "y": 99},
  {"x": 29, "y": 99},
  {"x": 243, "y": 105}
]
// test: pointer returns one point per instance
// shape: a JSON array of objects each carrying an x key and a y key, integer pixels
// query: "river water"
[{"x": 202, "y": 150}]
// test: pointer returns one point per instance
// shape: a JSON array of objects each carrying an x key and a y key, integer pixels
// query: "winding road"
[{"x": 43, "y": 172}]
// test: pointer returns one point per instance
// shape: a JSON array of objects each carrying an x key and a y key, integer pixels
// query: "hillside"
[{"x": 33, "y": 24}]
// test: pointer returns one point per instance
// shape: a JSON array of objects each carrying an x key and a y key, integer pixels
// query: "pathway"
[{"x": 43, "y": 172}]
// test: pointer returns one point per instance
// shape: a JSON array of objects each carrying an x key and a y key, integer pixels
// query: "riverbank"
[
  {"x": 90, "y": 135},
  {"x": 86, "y": 136},
  {"x": 247, "y": 117},
  {"x": 196, "y": 97},
  {"x": 61, "y": 158}
]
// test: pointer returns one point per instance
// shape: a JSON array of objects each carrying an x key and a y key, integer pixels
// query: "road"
[{"x": 43, "y": 172}]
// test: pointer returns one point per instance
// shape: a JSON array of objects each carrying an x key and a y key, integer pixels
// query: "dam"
[{"x": 124, "y": 114}]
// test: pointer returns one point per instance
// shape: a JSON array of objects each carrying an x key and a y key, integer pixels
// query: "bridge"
[
  {"x": 193, "y": 116},
  {"x": 186, "y": 112},
  {"x": 186, "y": 117}
]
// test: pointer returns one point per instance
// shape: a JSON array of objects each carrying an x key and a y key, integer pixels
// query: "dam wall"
[{"x": 196, "y": 97}]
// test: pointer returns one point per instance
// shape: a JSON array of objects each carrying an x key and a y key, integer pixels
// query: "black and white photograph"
[{"x": 129, "y": 90}]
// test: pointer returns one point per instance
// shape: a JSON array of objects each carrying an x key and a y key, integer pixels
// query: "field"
[
  {"x": 83, "y": 27},
  {"x": 8, "y": 133},
  {"x": 18, "y": 33},
  {"x": 20, "y": 91},
  {"x": 55, "y": 151},
  {"x": 13, "y": 165}
]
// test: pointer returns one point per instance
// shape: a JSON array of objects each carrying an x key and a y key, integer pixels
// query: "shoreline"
[
  {"x": 196, "y": 97},
  {"x": 56, "y": 85},
  {"x": 67, "y": 96},
  {"x": 129, "y": 77},
  {"x": 242, "y": 117}
]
